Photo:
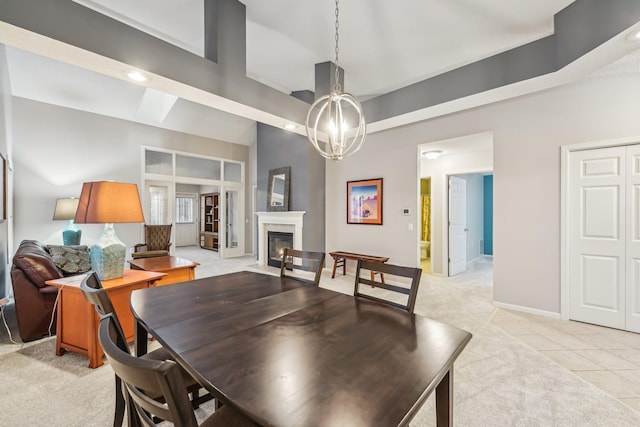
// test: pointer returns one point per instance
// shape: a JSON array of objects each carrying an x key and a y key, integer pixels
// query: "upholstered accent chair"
[{"x": 157, "y": 242}]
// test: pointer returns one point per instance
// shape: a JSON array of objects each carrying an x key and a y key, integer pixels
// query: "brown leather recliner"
[{"x": 34, "y": 300}]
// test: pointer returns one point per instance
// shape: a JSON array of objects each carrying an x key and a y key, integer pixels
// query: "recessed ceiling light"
[
  {"x": 136, "y": 76},
  {"x": 432, "y": 155},
  {"x": 289, "y": 126}
]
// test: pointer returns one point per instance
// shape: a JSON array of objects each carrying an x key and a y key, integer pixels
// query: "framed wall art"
[{"x": 364, "y": 201}]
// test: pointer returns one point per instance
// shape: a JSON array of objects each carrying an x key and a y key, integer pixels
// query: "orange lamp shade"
[{"x": 105, "y": 202}]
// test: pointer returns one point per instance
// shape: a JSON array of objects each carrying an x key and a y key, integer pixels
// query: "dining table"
[{"x": 286, "y": 353}]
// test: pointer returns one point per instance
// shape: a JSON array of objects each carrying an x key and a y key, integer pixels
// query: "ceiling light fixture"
[
  {"x": 136, "y": 76},
  {"x": 289, "y": 126},
  {"x": 432, "y": 155},
  {"x": 335, "y": 122}
]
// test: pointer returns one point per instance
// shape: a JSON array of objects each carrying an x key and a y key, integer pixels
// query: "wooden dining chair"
[
  {"x": 93, "y": 292},
  {"x": 309, "y": 261},
  {"x": 394, "y": 279},
  {"x": 142, "y": 378}
]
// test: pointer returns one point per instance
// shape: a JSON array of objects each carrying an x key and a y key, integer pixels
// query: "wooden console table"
[
  {"x": 340, "y": 260},
  {"x": 176, "y": 269},
  {"x": 77, "y": 320}
]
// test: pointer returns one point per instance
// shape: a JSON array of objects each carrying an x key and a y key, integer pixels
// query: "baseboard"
[
  {"x": 470, "y": 262},
  {"x": 479, "y": 257},
  {"x": 529, "y": 310}
]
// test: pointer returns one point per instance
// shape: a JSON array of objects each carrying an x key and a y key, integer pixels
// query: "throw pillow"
[{"x": 71, "y": 259}]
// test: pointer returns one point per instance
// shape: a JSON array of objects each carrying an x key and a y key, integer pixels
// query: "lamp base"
[
  {"x": 108, "y": 254},
  {"x": 71, "y": 235}
]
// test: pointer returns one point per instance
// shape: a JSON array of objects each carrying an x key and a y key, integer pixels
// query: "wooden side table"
[
  {"x": 77, "y": 320},
  {"x": 176, "y": 269}
]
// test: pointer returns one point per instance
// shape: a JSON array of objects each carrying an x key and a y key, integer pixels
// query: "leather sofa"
[{"x": 34, "y": 300}]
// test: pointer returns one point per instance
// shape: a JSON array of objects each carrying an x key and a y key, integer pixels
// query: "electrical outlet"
[{"x": 4, "y": 301}]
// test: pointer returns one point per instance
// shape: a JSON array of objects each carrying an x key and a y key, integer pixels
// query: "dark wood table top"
[
  {"x": 290, "y": 354},
  {"x": 162, "y": 263}
]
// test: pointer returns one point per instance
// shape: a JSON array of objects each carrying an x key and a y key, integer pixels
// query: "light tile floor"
[{"x": 608, "y": 358}]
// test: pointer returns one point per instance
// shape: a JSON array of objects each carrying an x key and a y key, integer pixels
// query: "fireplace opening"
[{"x": 277, "y": 241}]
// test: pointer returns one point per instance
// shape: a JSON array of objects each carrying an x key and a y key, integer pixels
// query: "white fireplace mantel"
[{"x": 265, "y": 219}]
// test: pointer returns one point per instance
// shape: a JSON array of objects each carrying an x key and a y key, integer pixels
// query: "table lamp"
[
  {"x": 66, "y": 210},
  {"x": 108, "y": 202}
]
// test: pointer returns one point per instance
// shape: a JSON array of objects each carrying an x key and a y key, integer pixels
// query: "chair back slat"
[
  {"x": 144, "y": 377},
  {"x": 374, "y": 268},
  {"x": 92, "y": 289},
  {"x": 310, "y": 261}
]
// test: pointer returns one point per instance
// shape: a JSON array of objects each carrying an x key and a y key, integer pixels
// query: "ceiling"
[{"x": 383, "y": 46}]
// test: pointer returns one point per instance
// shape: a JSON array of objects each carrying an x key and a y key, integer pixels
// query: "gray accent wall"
[
  {"x": 586, "y": 24},
  {"x": 278, "y": 148}
]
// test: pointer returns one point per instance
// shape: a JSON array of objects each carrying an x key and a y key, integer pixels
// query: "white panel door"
[
  {"x": 597, "y": 240},
  {"x": 633, "y": 239},
  {"x": 457, "y": 225}
]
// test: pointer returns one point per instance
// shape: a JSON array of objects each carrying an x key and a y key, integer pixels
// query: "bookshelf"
[{"x": 209, "y": 220}]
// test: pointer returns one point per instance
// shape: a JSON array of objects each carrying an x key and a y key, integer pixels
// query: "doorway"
[
  {"x": 469, "y": 157},
  {"x": 470, "y": 219},
  {"x": 174, "y": 182},
  {"x": 425, "y": 224}
]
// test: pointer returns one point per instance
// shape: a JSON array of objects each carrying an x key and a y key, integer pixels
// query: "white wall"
[
  {"x": 57, "y": 149},
  {"x": 528, "y": 132}
]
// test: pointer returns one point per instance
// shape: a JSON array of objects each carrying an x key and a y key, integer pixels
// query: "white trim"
[
  {"x": 565, "y": 154},
  {"x": 529, "y": 310}
]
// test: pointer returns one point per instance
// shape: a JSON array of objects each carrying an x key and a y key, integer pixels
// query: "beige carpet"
[{"x": 499, "y": 381}]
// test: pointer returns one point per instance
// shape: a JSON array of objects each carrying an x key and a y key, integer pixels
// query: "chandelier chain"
[{"x": 336, "y": 83}]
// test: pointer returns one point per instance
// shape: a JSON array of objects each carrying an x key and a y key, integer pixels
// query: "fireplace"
[
  {"x": 283, "y": 222},
  {"x": 276, "y": 242}
]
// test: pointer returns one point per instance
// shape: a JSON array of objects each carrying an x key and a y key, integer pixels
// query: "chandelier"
[{"x": 335, "y": 122}]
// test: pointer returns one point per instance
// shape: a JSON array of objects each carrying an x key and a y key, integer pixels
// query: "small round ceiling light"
[
  {"x": 136, "y": 76},
  {"x": 289, "y": 126},
  {"x": 634, "y": 36},
  {"x": 431, "y": 155}
]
